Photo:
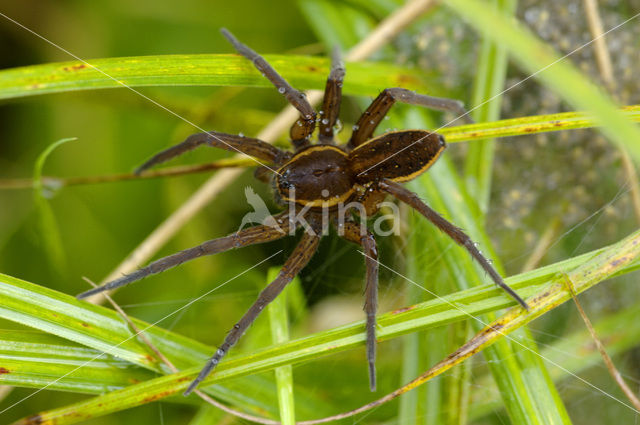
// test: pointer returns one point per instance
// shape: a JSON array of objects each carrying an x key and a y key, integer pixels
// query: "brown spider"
[{"x": 316, "y": 181}]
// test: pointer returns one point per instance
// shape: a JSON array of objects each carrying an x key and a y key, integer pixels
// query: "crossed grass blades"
[{"x": 314, "y": 180}]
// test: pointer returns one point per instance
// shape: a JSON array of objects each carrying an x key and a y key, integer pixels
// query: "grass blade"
[
  {"x": 529, "y": 125},
  {"x": 279, "y": 321},
  {"x": 540, "y": 60},
  {"x": 575, "y": 352},
  {"x": 49, "y": 232},
  {"x": 302, "y": 72},
  {"x": 34, "y": 359},
  {"x": 488, "y": 84}
]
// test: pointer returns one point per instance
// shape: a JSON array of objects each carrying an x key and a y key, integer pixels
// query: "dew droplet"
[
  {"x": 241, "y": 134},
  {"x": 338, "y": 126},
  {"x": 325, "y": 121},
  {"x": 281, "y": 90},
  {"x": 356, "y": 127},
  {"x": 372, "y": 122}
]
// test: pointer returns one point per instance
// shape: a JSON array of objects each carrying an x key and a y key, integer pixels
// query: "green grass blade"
[
  {"x": 420, "y": 350},
  {"x": 302, "y": 72},
  {"x": 279, "y": 321},
  {"x": 535, "y": 57},
  {"x": 93, "y": 326},
  {"x": 33, "y": 359},
  {"x": 488, "y": 84},
  {"x": 103, "y": 330},
  {"x": 208, "y": 415},
  {"x": 348, "y": 24},
  {"x": 48, "y": 228}
]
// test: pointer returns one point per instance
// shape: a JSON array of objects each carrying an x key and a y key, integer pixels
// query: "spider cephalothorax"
[
  {"x": 325, "y": 175},
  {"x": 316, "y": 180}
]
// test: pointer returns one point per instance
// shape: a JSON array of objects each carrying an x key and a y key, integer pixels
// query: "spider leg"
[
  {"x": 296, "y": 262},
  {"x": 253, "y": 235},
  {"x": 305, "y": 125},
  {"x": 454, "y": 232},
  {"x": 374, "y": 114},
  {"x": 231, "y": 142},
  {"x": 353, "y": 233},
  {"x": 332, "y": 98}
]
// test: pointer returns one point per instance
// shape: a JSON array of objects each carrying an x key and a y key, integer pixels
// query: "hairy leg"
[
  {"x": 332, "y": 99},
  {"x": 305, "y": 125},
  {"x": 296, "y": 262},
  {"x": 354, "y": 233},
  {"x": 250, "y": 236},
  {"x": 230, "y": 142},
  {"x": 378, "y": 109},
  {"x": 452, "y": 231}
]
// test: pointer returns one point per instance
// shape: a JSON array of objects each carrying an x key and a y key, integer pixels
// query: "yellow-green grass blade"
[
  {"x": 529, "y": 125},
  {"x": 576, "y": 352},
  {"x": 303, "y": 72}
]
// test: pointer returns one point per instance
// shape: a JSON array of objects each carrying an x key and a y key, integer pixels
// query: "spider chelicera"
[{"x": 315, "y": 180}]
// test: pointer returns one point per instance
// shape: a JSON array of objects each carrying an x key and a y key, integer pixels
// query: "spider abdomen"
[
  {"x": 318, "y": 176},
  {"x": 399, "y": 156}
]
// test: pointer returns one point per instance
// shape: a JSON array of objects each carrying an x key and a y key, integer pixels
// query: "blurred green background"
[{"x": 571, "y": 184}]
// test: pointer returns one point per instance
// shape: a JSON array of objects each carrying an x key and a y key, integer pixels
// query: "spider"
[{"x": 316, "y": 180}]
